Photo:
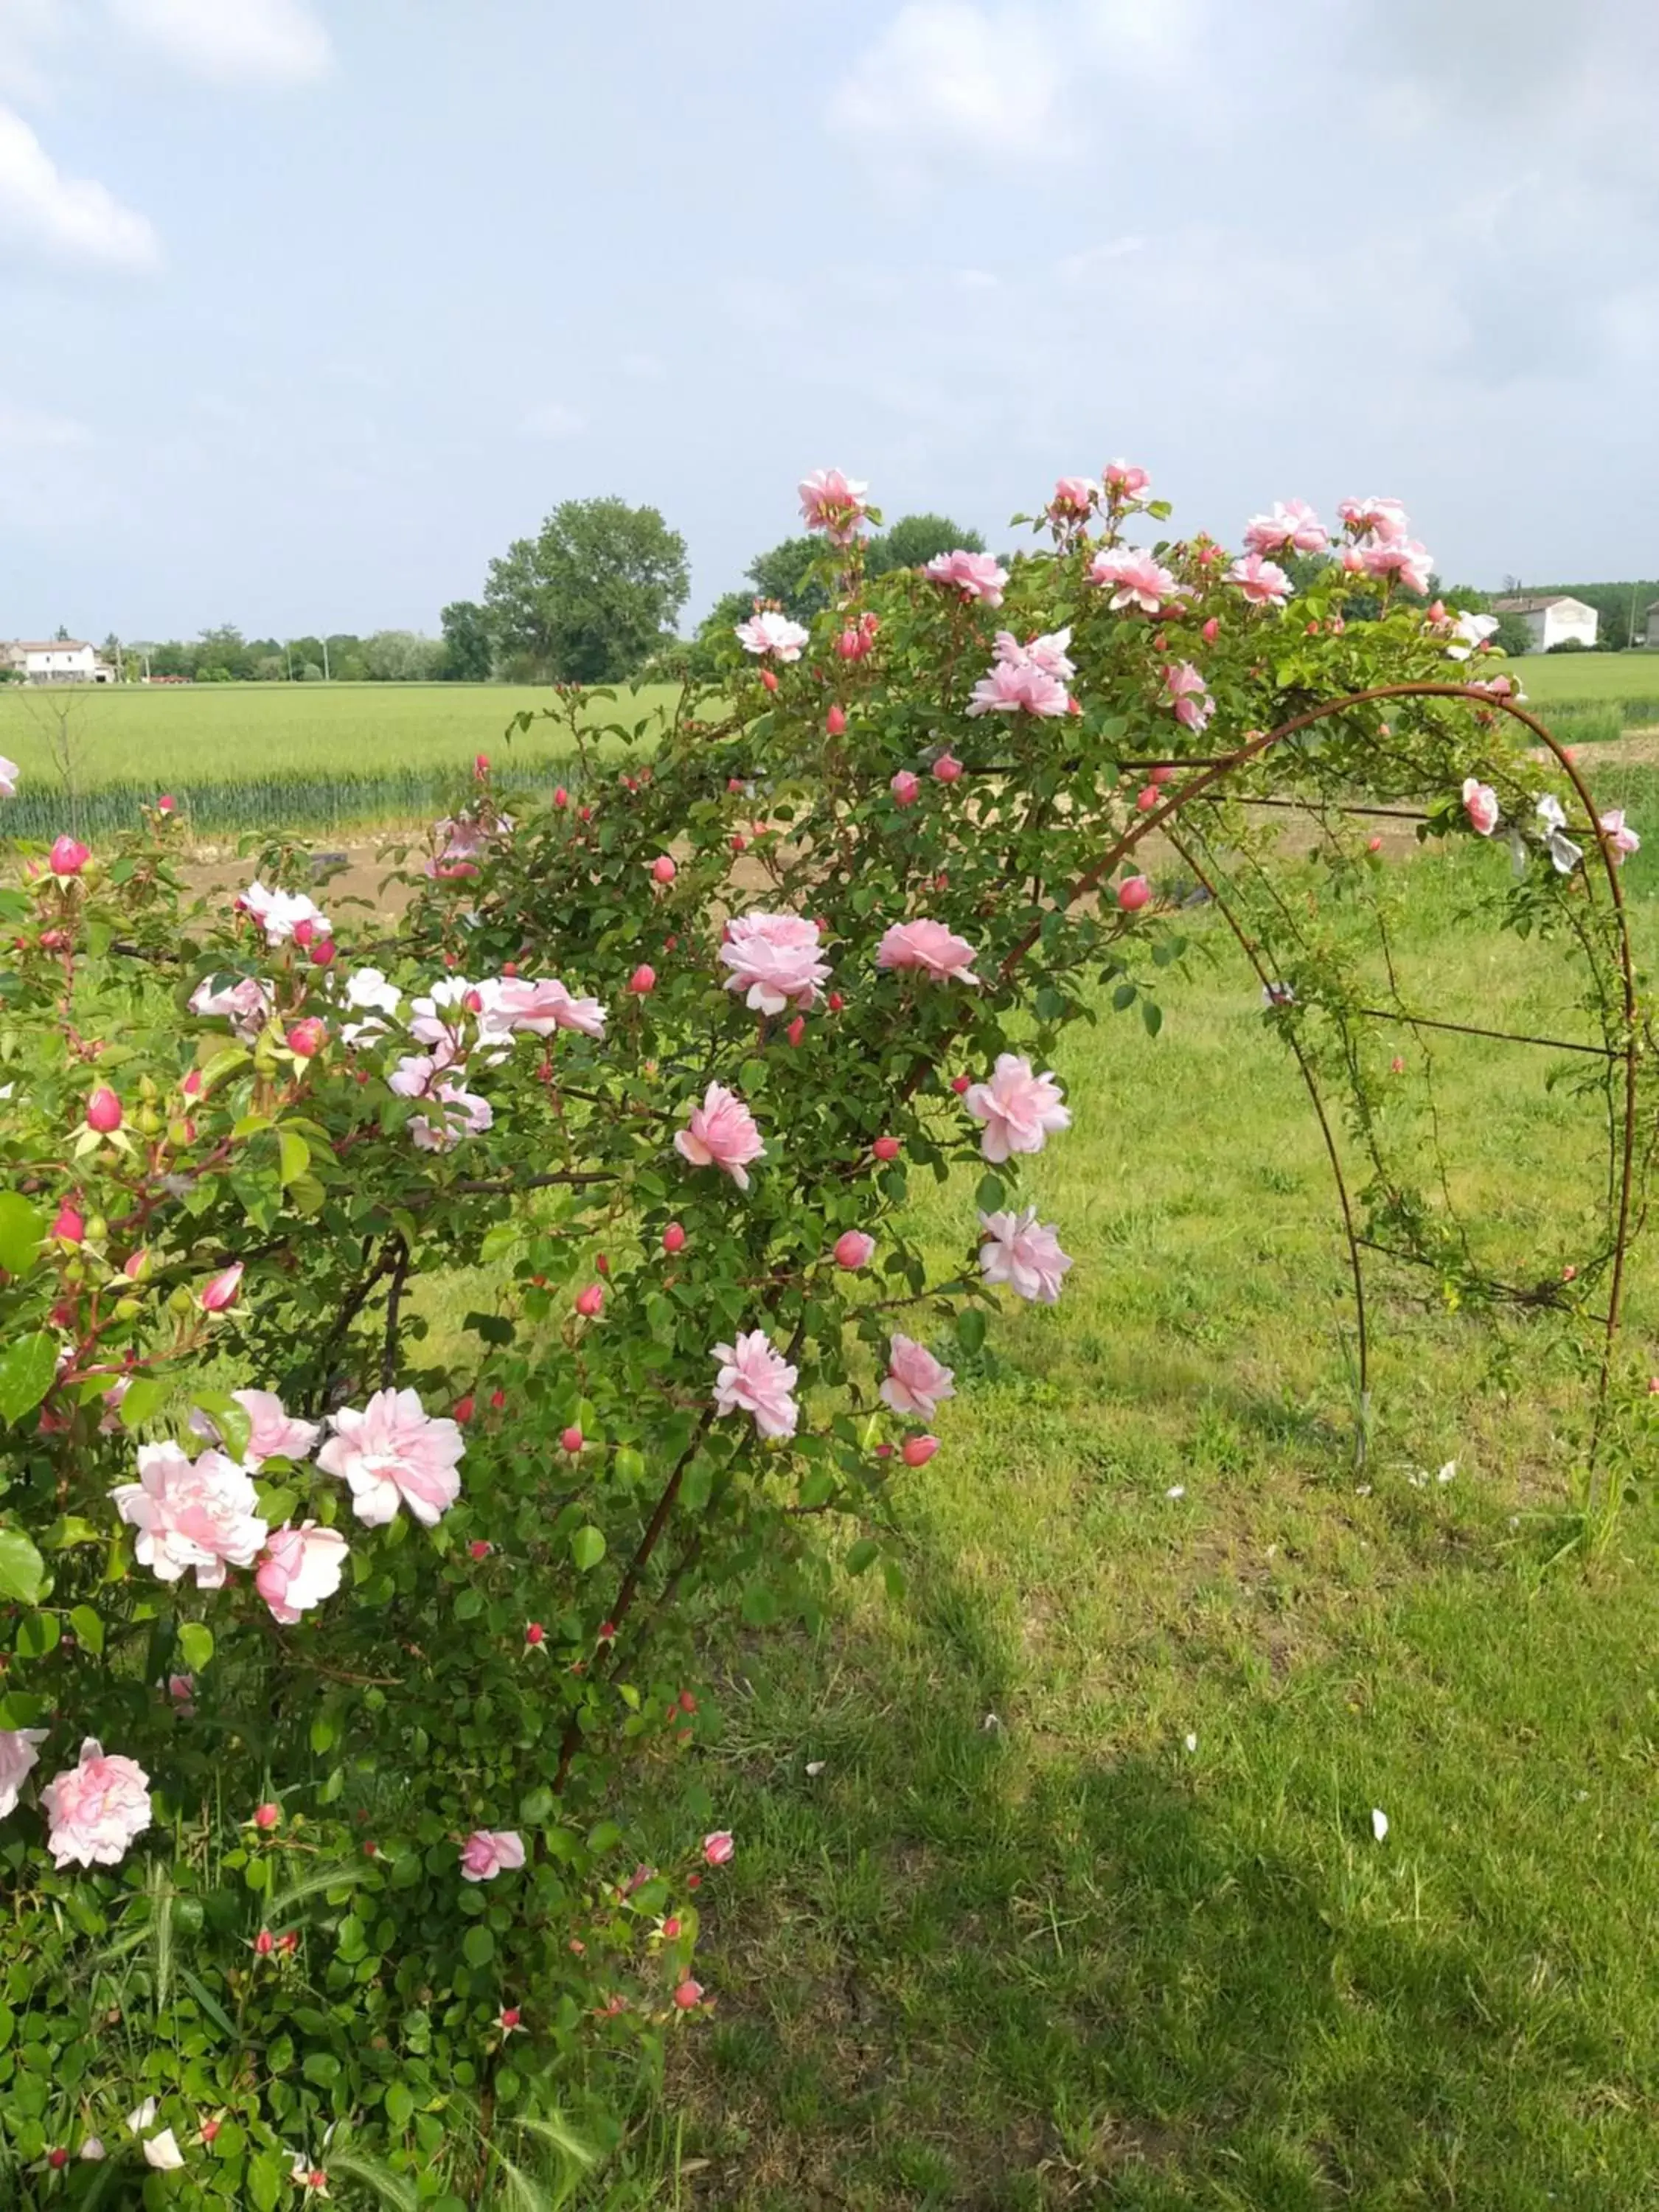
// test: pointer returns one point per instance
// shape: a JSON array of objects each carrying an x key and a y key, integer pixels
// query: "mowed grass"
[
  {"x": 1556, "y": 677},
  {"x": 1084, "y": 1905}
]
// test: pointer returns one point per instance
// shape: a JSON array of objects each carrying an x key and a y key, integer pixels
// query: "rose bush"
[{"x": 347, "y": 1637}]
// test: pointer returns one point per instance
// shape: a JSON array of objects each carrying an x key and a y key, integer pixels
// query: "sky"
[{"x": 308, "y": 307}]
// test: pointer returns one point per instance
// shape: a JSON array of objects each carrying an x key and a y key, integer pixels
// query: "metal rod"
[{"x": 1503, "y": 1036}]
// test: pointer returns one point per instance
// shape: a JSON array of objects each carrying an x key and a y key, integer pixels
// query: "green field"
[
  {"x": 1551, "y": 677},
  {"x": 1082, "y": 1905}
]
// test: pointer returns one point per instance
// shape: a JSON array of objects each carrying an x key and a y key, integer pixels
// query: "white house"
[
  {"x": 60, "y": 660},
  {"x": 1551, "y": 618},
  {"x": 1653, "y": 623}
]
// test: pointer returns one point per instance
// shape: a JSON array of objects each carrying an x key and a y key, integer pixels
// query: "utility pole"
[{"x": 326, "y": 678}]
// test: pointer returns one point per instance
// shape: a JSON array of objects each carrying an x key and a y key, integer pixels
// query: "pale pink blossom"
[
  {"x": 853, "y": 1249},
  {"x": 717, "y": 1849},
  {"x": 931, "y": 950},
  {"x": 218, "y": 1292},
  {"x": 279, "y": 914},
  {"x": 1407, "y": 558},
  {"x": 200, "y": 1514},
  {"x": 721, "y": 1133},
  {"x": 394, "y": 1450},
  {"x": 181, "y": 1691},
  {"x": 976, "y": 575},
  {"x": 9, "y": 774},
  {"x": 915, "y": 1382},
  {"x": 490, "y": 1852},
  {"x": 906, "y": 787},
  {"x": 1374, "y": 518},
  {"x": 416, "y": 1073},
  {"x": 301, "y": 1567},
  {"x": 1292, "y": 527},
  {"x": 1619, "y": 834},
  {"x": 769, "y": 632},
  {"x": 1074, "y": 501},
  {"x": 245, "y": 1004},
  {"x": 1135, "y": 579},
  {"x": 755, "y": 1378},
  {"x": 95, "y": 1808},
  {"x": 536, "y": 1009},
  {"x": 1016, "y": 687},
  {"x": 1051, "y": 653},
  {"x": 1189, "y": 694},
  {"x": 462, "y": 1114},
  {"x": 773, "y": 959},
  {"x": 1023, "y": 1252},
  {"x": 832, "y": 503},
  {"x": 1125, "y": 482},
  {"x": 162, "y": 2152},
  {"x": 274, "y": 1433},
  {"x": 1020, "y": 1110},
  {"x": 17, "y": 1756},
  {"x": 1480, "y": 804},
  {"x": 1263, "y": 583}
]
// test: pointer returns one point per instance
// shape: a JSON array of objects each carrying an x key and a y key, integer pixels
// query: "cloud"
[
  {"x": 1086, "y": 267},
  {"x": 29, "y": 431},
  {"x": 553, "y": 419},
  {"x": 65, "y": 219},
  {"x": 948, "y": 77},
  {"x": 644, "y": 367},
  {"x": 269, "y": 42}
]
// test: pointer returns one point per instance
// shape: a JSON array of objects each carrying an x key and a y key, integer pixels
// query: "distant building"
[
  {"x": 1652, "y": 636},
  {"x": 60, "y": 660},
  {"x": 1551, "y": 618}
]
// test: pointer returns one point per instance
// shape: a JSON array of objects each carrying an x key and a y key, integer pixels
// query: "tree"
[
  {"x": 469, "y": 656},
  {"x": 224, "y": 651},
  {"x": 592, "y": 595},
  {"x": 780, "y": 574},
  {"x": 400, "y": 656},
  {"x": 916, "y": 539}
]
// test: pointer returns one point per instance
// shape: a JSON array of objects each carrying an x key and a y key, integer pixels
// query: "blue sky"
[{"x": 309, "y": 305}]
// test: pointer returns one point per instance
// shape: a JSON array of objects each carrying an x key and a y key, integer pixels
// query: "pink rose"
[
  {"x": 104, "y": 1111},
  {"x": 853, "y": 1249},
  {"x": 1480, "y": 804},
  {"x": 67, "y": 856},
  {"x": 490, "y": 1852},
  {"x": 755, "y": 1378},
  {"x": 461, "y": 1114},
  {"x": 220, "y": 1293},
  {"x": 1374, "y": 518},
  {"x": 1263, "y": 583},
  {"x": 301, "y": 1567},
  {"x": 1407, "y": 558},
  {"x": 1189, "y": 694},
  {"x": 1020, "y": 1110},
  {"x": 834, "y": 504},
  {"x": 1292, "y": 527},
  {"x": 17, "y": 1756},
  {"x": 512, "y": 1003},
  {"x": 392, "y": 1451},
  {"x": 717, "y": 1848},
  {"x": 774, "y": 957},
  {"x": 1029, "y": 678},
  {"x": 1135, "y": 579},
  {"x": 245, "y": 1004},
  {"x": 202, "y": 1515},
  {"x": 721, "y": 1133},
  {"x": 282, "y": 914},
  {"x": 1022, "y": 1253},
  {"x": 1073, "y": 501},
  {"x": 906, "y": 789},
  {"x": 976, "y": 575},
  {"x": 96, "y": 1808},
  {"x": 9, "y": 773},
  {"x": 916, "y": 1381},
  {"x": 931, "y": 950},
  {"x": 1125, "y": 482},
  {"x": 274, "y": 1433},
  {"x": 1619, "y": 835},
  {"x": 771, "y": 632}
]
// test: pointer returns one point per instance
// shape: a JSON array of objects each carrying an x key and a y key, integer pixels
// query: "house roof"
[
  {"x": 1536, "y": 603},
  {"x": 50, "y": 645}
]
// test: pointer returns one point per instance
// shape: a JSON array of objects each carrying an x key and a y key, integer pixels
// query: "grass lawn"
[
  {"x": 1085, "y": 1906},
  {"x": 1552, "y": 678}
]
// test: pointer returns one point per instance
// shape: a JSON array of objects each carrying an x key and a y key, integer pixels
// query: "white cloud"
[
  {"x": 974, "y": 279},
  {"x": 273, "y": 42},
  {"x": 553, "y": 419},
  {"x": 1143, "y": 37},
  {"x": 949, "y": 76},
  {"x": 65, "y": 219},
  {"x": 1087, "y": 267}
]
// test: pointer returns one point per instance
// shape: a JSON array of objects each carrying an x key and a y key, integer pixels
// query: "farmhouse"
[
  {"x": 1652, "y": 634},
  {"x": 60, "y": 660},
  {"x": 1552, "y": 618}
]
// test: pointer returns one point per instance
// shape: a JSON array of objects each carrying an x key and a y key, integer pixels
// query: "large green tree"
[
  {"x": 916, "y": 539},
  {"x": 469, "y": 656},
  {"x": 591, "y": 596}
]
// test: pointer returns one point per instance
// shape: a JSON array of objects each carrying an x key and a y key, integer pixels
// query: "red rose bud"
[
  {"x": 508, "y": 2018},
  {"x": 267, "y": 1816},
  {"x": 306, "y": 1038},
  {"x": 1134, "y": 893},
  {"x": 1146, "y": 799},
  {"x": 480, "y": 1547},
  {"x": 589, "y": 1301},
  {"x": 304, "y": 932},
  {"x": 959, "y": 1084},
  {"x": 836, "y": 721},
  {"x": 67, "y": 857},
  {"x": 1373, "y": 845},
  {"x": 535, "y": 1634},
  {"x": 220, "y": 1292},
  {"x": 1210, "y": 631},
  {"x": 210, "y": 2130},
  {"x": 689, "y": 1995},
  {"x": 287, "y": 1945},
  {"x": 464, "y": 1409},
  {"x": 264, "y": 1944},
  {"x": 70, "y": 1227},
  {"x": 662, "y": 870},
  {"x": 673, "y": 1237},
  {"x": 1163, "y": 775},
  {"x": 886, "y": 1148},
  {"x": 191, "y": 1085},
  {"x": 918, "y": 1450},
  {"x": 481, "y": 765},
  {"x": 561, "y": 798},
  {"x": 602, "y": 1263},
  {"x": 322, "y": 952},
  {"x": 835, "y": 1002},
  {"x": 58, "y": 2158},
  {"x": 103, "y": 1112},
  {"x": 570, "y": 1439},
  {"x": 643, "y": 980},
  {"x": 796, "y": 1031},
  {"x": 497, "y": 1400},
  {"x": 769, "y": 679}
]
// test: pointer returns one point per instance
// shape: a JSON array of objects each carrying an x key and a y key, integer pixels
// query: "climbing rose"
[
  {"x": 95, "y": 1808},
  {"x": 393, "y": 1451},
  {"x": 245, "y": 1004},
  {"x": 301, "y": 1567},
  {"x": 906, "y": 788},
  {"x": 1618, "y": 832},
  {"x": 774, "y": 957},
  {"x": 67, "y": 856},
  {"x": 10, "y": 773},
  {"x": 463, "y": 1113},
  {"x": 1020, "y": 1110},
  {"x": 1263, "y": 583},
  {"x": 916, "y": 1381},
  {"x": 490, "y": 1852},
  {"x": 218, "y": 1292},
  {"x": 1189, "y": 694},
  {"x": 931, "y": 948},
  {"x": 1472, "y": 632},
  {"x": 1015, "y": 687},
  {"x": 512, "y": 1003},
  {"x": 1383, "y": 518},
  {"x": 755, "y": 1378},
  {"x": 853, "y": 1248},
  {"x": 976, "y": 575},
  {"x": 1135, "y": 578},
  {"x": 772, "y": 633},
  {"x": 274, "y": 1434},
  {"x": 717, "y": 1848},
  {"x": 17, "y": 1755},
  {"x": 202, "y": 1515},
  {"x": 1292, "y": 527},
  {"x": 721, "y": 1133},
  {"x": 1074, "y": 500},
  {"x": 1125, "y": 482},
  {"x": 1022, "y": 1253},
  {"x": 162, "y": 2152},
  {"x": 1564, "y": 853},
  {"x": 281, "y": 912},
  {"x": 1480, "y": 804},
  {"x": 1049, "y": 652},
  {"x": 832, "y": 503},
  {"x": 1405, "y": 557}
]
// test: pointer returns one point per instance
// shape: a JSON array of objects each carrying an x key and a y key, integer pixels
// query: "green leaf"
[
  {"x": 862, "y": 1555},
  {"x": 588, "y": 1548},
  {"x": 22, "y": 1570},
  {"x": 1152, "y": 1014},
  {"x": 990, "y": 1194},
  {"x": 760, "y": 1605},
  {"x": 36, "y": 1634},
  {"x": 1051, "y": 1005},
  {"x": 265, "y": 2178},
  {"x": 27, "y": 1368},
  {"x": 321, "y": 2067},
  {"x": 88, "y": 1630},
  {"x": 18, "y": 1710},
  {"x": 399, "y": 2103},
  {"x": 293, "y": 1157},
  {"x": 195, "y": 1645},
  {"x": 23, "y": 1230},
  {"x": 535, "y": 1806},
  {"x": 970, "y": 1326},
  {"x": 145, "y": 1396},
  {"x": 477, "y": 1947},
  {"x": 228, "y": 1416},
  {"x": 1125, "y": 995}
]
